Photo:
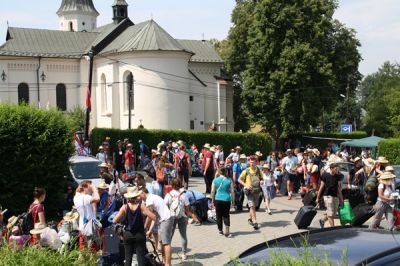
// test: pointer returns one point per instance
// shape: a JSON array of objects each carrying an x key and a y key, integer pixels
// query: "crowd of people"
[{"x": 141, "y": 210}]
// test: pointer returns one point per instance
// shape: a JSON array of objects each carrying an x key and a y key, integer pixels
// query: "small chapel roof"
[{"x": 203, "y": 51}]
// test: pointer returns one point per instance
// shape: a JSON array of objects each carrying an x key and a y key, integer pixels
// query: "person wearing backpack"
[
  {"x": 36, "y": 210},
  {"x": 178, "y": 205},
  {"x": 183, "y": 165},
  {"x": 237, "y": 169},
  {"x": 134, "y": 234},
  {"x": 222, "y": 195},
  {"x": 250, "y": 179}
]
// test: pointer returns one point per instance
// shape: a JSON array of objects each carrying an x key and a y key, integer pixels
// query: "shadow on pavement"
[
  {"x": 251, "y": 231},
  {"x": 203, "y": 255},
  {"x": 284, "y": 211},
  {"x": 189, "y": 263},
  {"x": 275, "y": 224}
]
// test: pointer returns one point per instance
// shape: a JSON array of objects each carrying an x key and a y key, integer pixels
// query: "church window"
[
  {"x": 83, "y": 23},
  {"x": 71, "y": 26},
  {"x": 128, "y": 78},
  {"x": 191, "y": 124},
  {"x": 23, "y": 93},
  {"x": 103, "y": 87},
  {"x": 191, "y": 98},
  {"x": 61, "y": 97}
]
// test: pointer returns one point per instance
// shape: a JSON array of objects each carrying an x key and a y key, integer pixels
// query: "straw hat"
[
  {"x": 382, "y": 159},
  {"x": 132, "y": 192},
  {"x": 238, "y": 148},
  {"x": 207, "y": 146},
  {"x": 389, "y": 168},
  {"x": 71, "y": 216},
  {"x": 11, "y": 222},
  {"x": 316, "y": 152},
  {"x": 258, "y": 153},
  {"x": 101, "y": 148},
  {"x": 243, "y": 156},
  {"x": 103, "y": 165},
  {"x": 39, "y": 228},
  {"x": 288, "y": 150},
  {"x": 180, "y": 142},
  {"x": 369, "y": 162},
  {"x": 103, "y": 185},
  {"x": 213, "y": 149},
  {"x": 386, "y": 176},
  {"x": 357, "y": 159},
  {"x": 265, "y": 166}
]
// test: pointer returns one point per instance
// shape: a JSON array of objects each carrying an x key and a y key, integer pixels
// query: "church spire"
[
  {"x": 77, "y": 15},
  {"x": 120, "y": 10}
]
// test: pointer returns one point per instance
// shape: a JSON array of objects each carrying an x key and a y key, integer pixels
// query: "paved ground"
[{"x": 206, "y": 247}]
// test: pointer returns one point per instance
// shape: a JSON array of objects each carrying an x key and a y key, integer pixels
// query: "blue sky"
[{"x": 376, "y": 21}]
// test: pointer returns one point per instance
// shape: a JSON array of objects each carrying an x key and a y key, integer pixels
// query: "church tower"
[
  {"x": 77, "y": 15},
  {"x": 120, "y": 11}
]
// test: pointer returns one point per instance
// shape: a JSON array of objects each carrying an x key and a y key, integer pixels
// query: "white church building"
[{"x": 177, "y": 83}]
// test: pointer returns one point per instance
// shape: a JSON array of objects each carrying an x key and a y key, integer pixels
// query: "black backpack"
[
  {"x": 25, "y": 223},
  {"x": 182, "y": 161}
]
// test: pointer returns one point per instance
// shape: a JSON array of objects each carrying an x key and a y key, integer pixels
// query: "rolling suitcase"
[
  {"x": 354, "y": 196},
  {"x": 305, "y": 216},
  {"x": 310, "y": 198},
  {"x": 362, "y": 212},
  {"x": 239, "y": 197},
  {"x": 113, "y": 250}
]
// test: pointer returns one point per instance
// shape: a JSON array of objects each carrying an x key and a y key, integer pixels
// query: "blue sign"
[{"x": 346, "y": 128}]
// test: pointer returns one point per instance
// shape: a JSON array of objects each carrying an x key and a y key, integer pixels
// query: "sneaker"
[
  {"x": 269, "y": 212},
  {"x": 290, "y": 196},
  {"x": 183, "y": 256},
  {"x": 321, "y": 223},
  {"x": 256, "y": 226},
  {"x": 250, "y": 222},
  {"x": 221, "y": 233},
  {"x": 228, "y": 235},
  {"x": 197, "y": 223}
]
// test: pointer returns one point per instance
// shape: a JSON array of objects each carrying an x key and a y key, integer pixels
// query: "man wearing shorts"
[
  {"x": 165, "y": 222},
  {"x": 250, "y": 180},
  {"x": 289, "y": 164},
  {"x": 331, "y": 188}
]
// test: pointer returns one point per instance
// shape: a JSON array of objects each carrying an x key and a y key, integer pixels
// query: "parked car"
[
  {"x": 363, "y": 246},
  {"x": 85, "y": 168}
]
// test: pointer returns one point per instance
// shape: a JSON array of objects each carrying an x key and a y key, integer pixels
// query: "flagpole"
[{"x": 89, "y": 94}]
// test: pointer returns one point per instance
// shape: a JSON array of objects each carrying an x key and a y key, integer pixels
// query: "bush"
[
  {"x": 321, "y": 140},
  {"x": 390, "y": 148},
  {"x": 34, "y": 151},
  {"x": 34, "y": 256},
  {"x": 250, "y": 142}
]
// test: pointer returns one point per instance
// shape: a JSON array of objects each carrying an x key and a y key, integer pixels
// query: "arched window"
[
  {"x": 103, "y": 88},
  {"x": 23, "y": 93},
  {"x": 71, "y": 26},
  {"x": 61, "y": 97},
  {"x": 129, "y": 84}
]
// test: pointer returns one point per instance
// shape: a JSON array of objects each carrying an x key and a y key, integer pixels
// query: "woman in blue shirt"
[{"x": 222, "y": 195}]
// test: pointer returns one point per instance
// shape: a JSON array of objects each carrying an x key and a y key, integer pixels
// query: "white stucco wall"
[{"x": 80, "y": 22}]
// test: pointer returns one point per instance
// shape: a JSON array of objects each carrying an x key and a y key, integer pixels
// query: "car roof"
[
  {"x": 360, "y": 244},
  {"x": 83, "y": 159}
]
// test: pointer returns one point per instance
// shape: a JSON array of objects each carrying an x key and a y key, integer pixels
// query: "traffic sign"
[{"x": 346, "y": 128}]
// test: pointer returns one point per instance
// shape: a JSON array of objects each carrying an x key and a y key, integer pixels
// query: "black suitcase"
[
  {"x": 239, "y": 197},
  {"x": 113, "y": 249},
  {"x": 362, "y": 213},
  {"x": 310, "y": 197},
  {"x": 305, "y": 216}
]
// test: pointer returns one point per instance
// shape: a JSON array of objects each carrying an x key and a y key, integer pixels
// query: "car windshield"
[{"x": 86, "y": 170}]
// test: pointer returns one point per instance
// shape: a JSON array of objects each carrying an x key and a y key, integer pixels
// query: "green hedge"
[
  {"x": 390, "y": 148},
  {"x": 339, "y": 135},
  {"x": 250, "y": 142},
  {"x": 34, "y": 151}
]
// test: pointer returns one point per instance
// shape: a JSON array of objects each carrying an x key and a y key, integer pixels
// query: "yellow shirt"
[{"x": 247, "y": 178}]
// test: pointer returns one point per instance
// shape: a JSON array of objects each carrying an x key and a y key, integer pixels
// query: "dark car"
[{"x": 363, "y": 246}]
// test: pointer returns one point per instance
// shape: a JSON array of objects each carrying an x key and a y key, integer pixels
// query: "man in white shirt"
[
  {"x": 290, "y": 163},
  {"x": 85, "y": 201},
  {"x": 166, "y": 222}
]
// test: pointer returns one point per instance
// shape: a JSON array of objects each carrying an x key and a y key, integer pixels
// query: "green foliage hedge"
[
  {"x": 339, "y": 135},
  {"x": 390, "y": 148},
  {"x": 250, "y": 142},
  {"x": 34, "y": 151}
]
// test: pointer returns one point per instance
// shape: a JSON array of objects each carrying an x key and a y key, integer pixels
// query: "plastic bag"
[
  {"x": 346, "y": 213},
  {"x": 49, "y": 238}
]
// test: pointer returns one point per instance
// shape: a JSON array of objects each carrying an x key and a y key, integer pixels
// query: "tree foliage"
[
  {"x": 380, "y": 94},
  {"x": 34, "y": 151},
  {"x": 293, "y": 61}
]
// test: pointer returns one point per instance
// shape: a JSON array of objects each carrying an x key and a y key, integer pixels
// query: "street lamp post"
[{"x": 130, "y": 88}]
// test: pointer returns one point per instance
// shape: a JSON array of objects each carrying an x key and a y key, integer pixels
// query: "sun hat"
[
  {"x": 103, "y": 165},
  {"x": 258, "y": 153},
  {"x": 382, "y": 159},
  {"x": 316, "y": 152},
  {"x": 11, "y": 222},
  {"x": 369, "y": 162},
  {"x": 101, "y": 148},
  {"x": 357, "y": 159},
  {"x": 71, "y": 216},
  {"x": 103, "y": 185},
  {"x": 238, "y": 148},
  {"x": 212, "y": 149},
  {"x": 180, "y": 142},
  {"x": 132, "y": 192},
  {"x": 265, "y": 166},
  {"x": 242, "y": 156},
  {"x": 207, "y": 146},
  {"x": 386, "y": 176},
  {"x": 129, "y": 145},
  {"x": 288, "y": 150},
  {"x": 38, "y": 229},
  {"x": 389, "y": 168}
]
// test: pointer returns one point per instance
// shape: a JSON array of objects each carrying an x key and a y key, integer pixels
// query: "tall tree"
[
  {"x": 381, "y": 95},
  {"x": 294, "y": 61}
]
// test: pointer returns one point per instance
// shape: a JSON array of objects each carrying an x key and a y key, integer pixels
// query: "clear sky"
[{"x": 377, "y": 22}]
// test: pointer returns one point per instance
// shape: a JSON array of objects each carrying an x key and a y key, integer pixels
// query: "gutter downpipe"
[{"x": 38, "y": 81}]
